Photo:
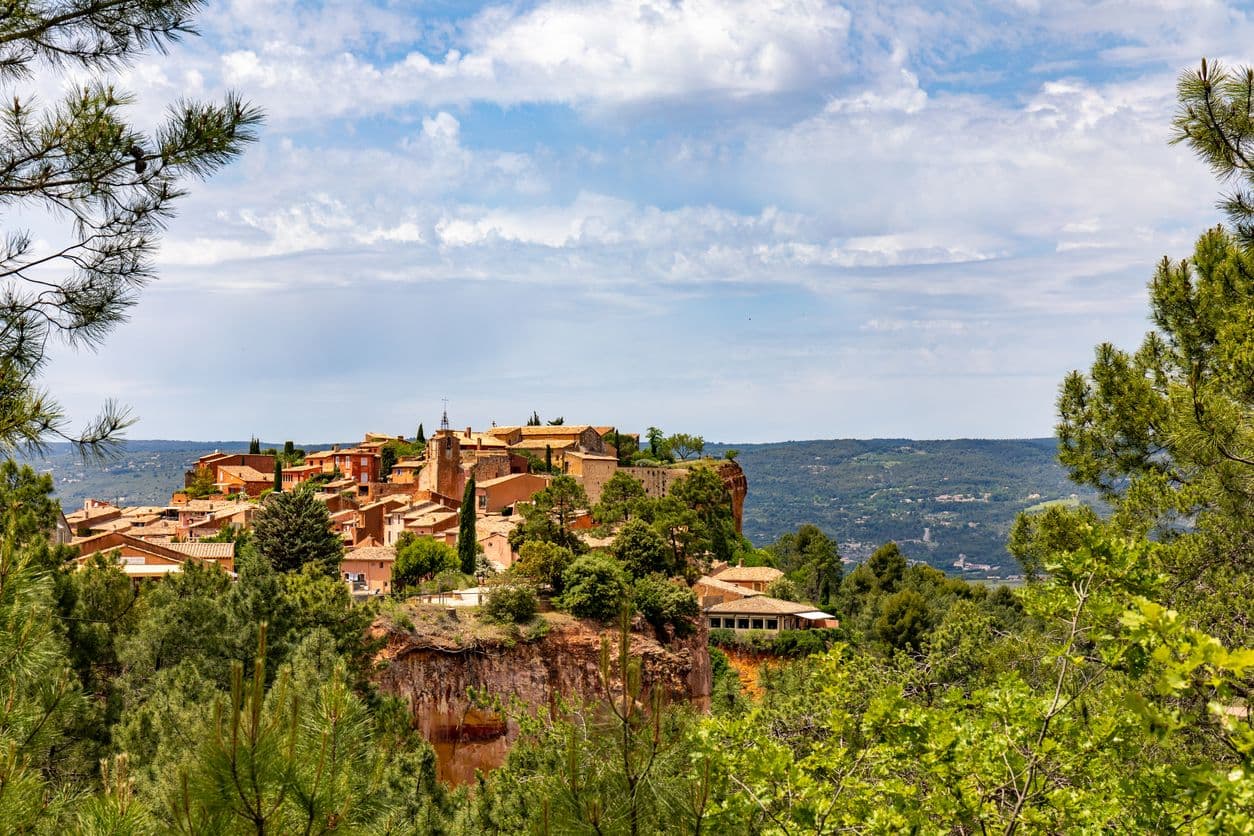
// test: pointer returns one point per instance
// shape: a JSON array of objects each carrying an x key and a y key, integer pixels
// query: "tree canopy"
[{"x": 293, "y": 530}]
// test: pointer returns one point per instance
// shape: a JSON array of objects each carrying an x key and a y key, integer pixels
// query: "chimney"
[{"x": 468, "y": 432}]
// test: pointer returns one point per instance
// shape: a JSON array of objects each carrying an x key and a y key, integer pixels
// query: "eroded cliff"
[{"x": 437, "y": 676}]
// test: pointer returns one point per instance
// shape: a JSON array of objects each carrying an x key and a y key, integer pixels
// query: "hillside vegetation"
[{"x": 940, "y": 500}]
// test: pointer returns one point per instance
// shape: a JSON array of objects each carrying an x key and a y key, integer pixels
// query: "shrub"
[
  {"x": 662, "y": 601},
  {"x": 508, "y": 604},
  {"x": 783, "y": 589},
  {"x": 595, "y": 587},
  {"x": 418, "y": 558}
]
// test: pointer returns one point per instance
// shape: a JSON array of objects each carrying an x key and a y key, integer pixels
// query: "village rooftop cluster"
[{"x": 374, "y": 497}]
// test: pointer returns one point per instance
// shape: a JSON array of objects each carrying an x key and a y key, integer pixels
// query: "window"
[
  {"x": 716, "y": 622},
  {"x": 365, "y": 462},
  {"x": 772, "y": 624},
  {"x": 757, "y": 624},
  {"x": 742, "y": 624},
  {"x": 483, "y": 500}
]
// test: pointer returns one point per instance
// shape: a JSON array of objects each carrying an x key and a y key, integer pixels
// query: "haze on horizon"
[{"x": 758, "y": 221}]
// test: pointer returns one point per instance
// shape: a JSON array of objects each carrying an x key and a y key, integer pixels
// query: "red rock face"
[
  {"x": 738, "y": 486},
  {"x": 532, "y": 676}
]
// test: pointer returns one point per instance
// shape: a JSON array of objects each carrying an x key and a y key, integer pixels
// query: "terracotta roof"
[
  {"x": 579, "y": 454},
  {"x": 541, "y": 443},
  {"x": 496, "y": 524},
  {"x": 760, "y": 605},
  {"x": 500, "y": 480},
  {"x": 143, "y": 510},
  {"x": 371, "y": 553},
  {"x": 205, "y": 551},
  {"x": 724, "y": 586},
  {"x": 320, "y": 454},
  {"x": 554, "y": 431},
  {"x": 245, "y": 473},
  {"x": 749, "y": 574}
]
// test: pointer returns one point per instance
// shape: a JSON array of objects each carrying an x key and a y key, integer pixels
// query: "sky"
[{"x": 752, "y": 220}]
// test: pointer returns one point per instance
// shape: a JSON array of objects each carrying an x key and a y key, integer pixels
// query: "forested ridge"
[{"x": 939, "y": 500}]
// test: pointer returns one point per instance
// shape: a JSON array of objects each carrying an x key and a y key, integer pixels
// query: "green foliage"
[
  {"x": 26, "y": 503},
  {"x": 809, "y": 559},
  {"x": 1215, "y": 120},
  {"x": 511, "y": 604},
  {"x": 698, "y": 520},
  {"x": 665, "y": 603},
  {"x": 393, "y": 451},
  {"x": 550, "y": 514},
  {"x": 594, "y": 586},
  {"x": 39, "y": 694},
  {"x": 419, "y": 558},
  {"x": 1036, "y": 538},
  {"x": 685, "y": 446},
  {"x": 254, "y": 446},
  {"x": 543, "y": 563},
  {"x": 201, "y": 485},
  {"x": 620, "y": 497},
  {"x": 780, "y": 644},
  {"x": 656, "y": 439},
  {"x": 303, "y": 755},
  {"x": 387, "y": 460},
  {"x": 624, "y": 764},
  {"x": 888, "y": 565},
  {"x": 293, "y": 530},
  {"x": 903, "y": 621},
  {"x": 278, "y": 476},
  {"x": 466, "y": 540},
  {"x": 642, "y": 551},
  {"x": 421, "y": 437},
  {"x": 783, "y": 589}
]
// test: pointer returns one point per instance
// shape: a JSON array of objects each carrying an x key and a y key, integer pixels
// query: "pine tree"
[
  {"x": 466, "y": 541},
  {"x": 114, "y": 184},
  {"x": 293, "y": 529}
]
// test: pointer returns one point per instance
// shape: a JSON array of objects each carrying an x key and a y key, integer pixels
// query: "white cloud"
[{"x": 562, "y": 51}]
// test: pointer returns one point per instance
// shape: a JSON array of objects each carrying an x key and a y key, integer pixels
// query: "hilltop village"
[{"x": 388, "y": 490}]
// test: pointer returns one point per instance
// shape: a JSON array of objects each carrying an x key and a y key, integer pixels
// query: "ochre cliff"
[{"x": 436, "y": 680}]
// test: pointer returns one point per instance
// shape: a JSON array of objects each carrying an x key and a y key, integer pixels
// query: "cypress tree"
[
  {"x": 254, "y": 446},
  {"x": 548, "y": 458},
  {"x": 289, "y": 449},
  {"x": 466, "y": 530},
  {"x": 422, "y": 437},
  {"x": 278, "y": 476}
]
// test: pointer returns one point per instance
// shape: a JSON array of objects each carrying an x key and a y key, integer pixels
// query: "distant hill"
[
  {"x": 943, "y": 501},
  {"x": 145, "y": 473}
]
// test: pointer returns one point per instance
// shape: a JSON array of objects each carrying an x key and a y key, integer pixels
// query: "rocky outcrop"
[
  {"x": 738, "y": 486},
  {"x": 437, "y": 681}
]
